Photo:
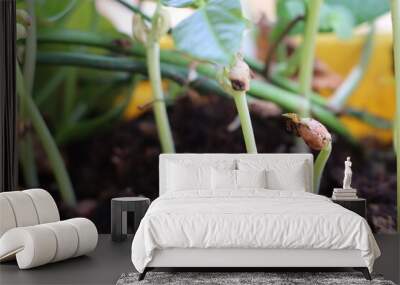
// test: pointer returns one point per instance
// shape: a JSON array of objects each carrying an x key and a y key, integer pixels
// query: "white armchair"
[{"x": 31, "y": 230}]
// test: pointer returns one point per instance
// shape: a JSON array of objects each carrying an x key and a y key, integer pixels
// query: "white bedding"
[{"x": 250, "y": 218}]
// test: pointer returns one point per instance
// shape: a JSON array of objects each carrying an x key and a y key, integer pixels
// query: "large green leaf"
[
  {"x": 338, "y": 19},
  {"x": 214, "y": 32},
  {"x": 363, "y": 10}
]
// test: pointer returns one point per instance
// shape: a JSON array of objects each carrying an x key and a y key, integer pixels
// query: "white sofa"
[{"x": 31, "y": 231}]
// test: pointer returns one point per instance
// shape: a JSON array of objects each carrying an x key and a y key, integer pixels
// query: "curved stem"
[
  {"x": 396, "y": 44},
  {"x": 245, "y": 121},
  {"x": 27, "y": 155},
  {"x": 307, "y": 53},
  {"x": 351, "y": 82},
  {"x": 48, "y": 143},
  {"x": 276, "y": 43},
  {"x": 319, "y": 165}
]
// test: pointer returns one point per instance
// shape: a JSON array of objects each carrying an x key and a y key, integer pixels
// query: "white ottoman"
[{"x": 31, "y": 230}]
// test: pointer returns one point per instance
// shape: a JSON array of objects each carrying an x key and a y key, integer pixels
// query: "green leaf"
[
  {"x": 338, "y": 19},
  {"x": 214, "y": 32},
  {"x": 363, "y": 10}
]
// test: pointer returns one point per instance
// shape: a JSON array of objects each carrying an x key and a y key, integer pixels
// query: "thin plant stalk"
[
  {"x": 45, "y": 137},
  {"x": 319, "y": 165},
  {"x": 245, "y": 122},
  {"x": 395, "y": 5},
  {"x": 307, "y": 53},
  {"x": 25, "y": 145},
  {"x": 352, "y": 81},
  {"x": 154, "y": 71},
  {"x": 235, "y": 80},
  {"x": 159, "y": 107}
]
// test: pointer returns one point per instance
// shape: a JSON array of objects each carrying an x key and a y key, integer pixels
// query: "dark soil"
[{"x": 124, "y": 161}]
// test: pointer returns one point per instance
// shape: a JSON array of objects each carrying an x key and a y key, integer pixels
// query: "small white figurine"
[{"x": 347, "y": 174}]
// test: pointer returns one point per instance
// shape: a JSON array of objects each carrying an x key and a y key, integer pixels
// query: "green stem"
[
  {"x": 175, "y": 67},
  {"x": 396, "y": 45},
  {"x": 307, "y": 53},
  {"x": 339, "y": 98},
  {"x": 26, "y": 150},
  {"x": 245, "y": 121},
  {"x": 47, "y": 141},
  {"x": 154, "y": 71},
  {"x": 319, "y": 165},
  {"x": 159, "y": 107},
  {"x": 293, "y": 86}
]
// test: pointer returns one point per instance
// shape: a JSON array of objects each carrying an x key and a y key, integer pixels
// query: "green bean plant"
[
  {"x": 317, "y": 137},
  {"x": 83, "y": 64},
  {"x": 214, "y": 33},
  {"x": 150, "y": 37}
]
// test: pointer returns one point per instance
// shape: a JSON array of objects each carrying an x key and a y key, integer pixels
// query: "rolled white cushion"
[
  {"x": 40, "y": 244},
  {"x": 87, "y": 235},
  {"x": 33, "y": 246},
  {"x": 67, "y": 240},
  {"x": 7, "y": 218},
  {"x": 45, "y": 205},
  {"x": 23, "y": 208}
]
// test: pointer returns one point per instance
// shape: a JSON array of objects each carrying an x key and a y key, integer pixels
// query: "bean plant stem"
[
  {"x": 395, "y": 5},
  {"x": 47, "y": 141},
  {"x": 319, "y": 165},
  {"x": 154, "y": 71},
  {"x": 307, "y": 53},
  {"x": 26, "y": 151},
  {"x": 159, "y": 108},
  {"x": 245, "y": 121}
]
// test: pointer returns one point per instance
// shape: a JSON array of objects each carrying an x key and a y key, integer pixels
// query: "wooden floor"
[{"x": 110, "y": 260}]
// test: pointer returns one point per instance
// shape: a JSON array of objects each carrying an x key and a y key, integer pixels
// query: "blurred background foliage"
[{"x": 90, "y": 85}]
